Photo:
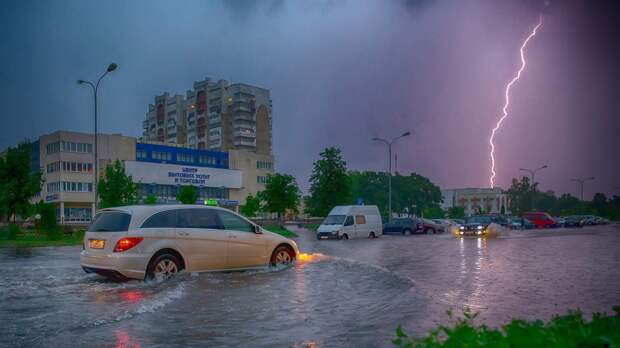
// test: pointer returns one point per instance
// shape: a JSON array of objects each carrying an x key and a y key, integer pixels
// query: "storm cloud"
[{"x": 340, "y": 73}]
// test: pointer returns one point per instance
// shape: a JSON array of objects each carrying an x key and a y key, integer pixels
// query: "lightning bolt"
[{"x": 507, "y": 94}]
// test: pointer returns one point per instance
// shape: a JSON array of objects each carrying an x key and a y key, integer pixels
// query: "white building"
[{"x": 476, "y": 200}]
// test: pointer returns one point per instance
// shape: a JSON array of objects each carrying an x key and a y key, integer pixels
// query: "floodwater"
[{"x": 341, "y": 294}]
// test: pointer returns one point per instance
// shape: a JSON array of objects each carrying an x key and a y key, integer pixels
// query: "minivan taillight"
[{"x": 127, "y": 243}]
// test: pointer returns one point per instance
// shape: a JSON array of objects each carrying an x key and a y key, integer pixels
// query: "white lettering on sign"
[{"x": 168, "y": 174}]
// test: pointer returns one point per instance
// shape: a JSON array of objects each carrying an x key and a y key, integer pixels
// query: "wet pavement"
[{"x": 343, "y": 293}]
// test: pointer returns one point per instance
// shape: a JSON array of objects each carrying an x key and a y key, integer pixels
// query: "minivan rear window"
[{"x": 110, "y": 221}]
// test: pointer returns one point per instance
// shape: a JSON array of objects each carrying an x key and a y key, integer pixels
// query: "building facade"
[
  {"x": 215, "y": 116},
  {"x": 476, "y": 200},
  {"x": 67, "y": 162}
]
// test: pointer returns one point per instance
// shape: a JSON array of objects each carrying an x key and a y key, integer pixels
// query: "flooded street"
[{"x": 344, "y": 293}]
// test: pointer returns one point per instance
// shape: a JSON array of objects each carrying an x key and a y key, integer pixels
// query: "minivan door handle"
[{"x": 183, "y": 233}]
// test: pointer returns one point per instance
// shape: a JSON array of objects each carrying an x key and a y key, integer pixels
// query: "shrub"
[
  {"x": 13, "y": 231},
  {"x": 150, "y": 199},
  {"x": 569, "y": 330}
]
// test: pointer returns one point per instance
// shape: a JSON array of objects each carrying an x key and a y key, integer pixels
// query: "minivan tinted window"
[
  {"x": 164, "y": 219},
  {"x": 110, "y": 221},
  {"x": 231, "y": 221},
  {"x": 197, "y": 218}
]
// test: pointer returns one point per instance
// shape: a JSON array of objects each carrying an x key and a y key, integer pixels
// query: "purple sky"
[{"x": 341, "y": 73}]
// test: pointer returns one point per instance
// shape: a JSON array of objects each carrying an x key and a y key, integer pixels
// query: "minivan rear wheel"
[{"x": 163, "y": 267}]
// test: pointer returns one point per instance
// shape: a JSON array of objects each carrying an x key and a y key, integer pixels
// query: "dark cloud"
[{"x": 340, "y": 73}]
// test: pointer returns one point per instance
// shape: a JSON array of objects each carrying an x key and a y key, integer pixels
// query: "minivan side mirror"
[{"x": 258, "y": 229}]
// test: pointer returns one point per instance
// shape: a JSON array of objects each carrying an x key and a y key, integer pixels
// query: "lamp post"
[
  {"x": 95, "y": 87},
  {"x": 582, "y": 181},
  {"x": 389, "y": 144},
  {"x": 533, "y": 171},
  {"x": 533, "y": 176}
]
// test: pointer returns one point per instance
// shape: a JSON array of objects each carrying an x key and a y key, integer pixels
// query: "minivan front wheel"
[
  {"x": 163, "y": 267},
  {"x": 281, "y": 256}
]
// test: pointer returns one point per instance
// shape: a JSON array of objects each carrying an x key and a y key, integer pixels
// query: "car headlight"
[
  {"x": 462, "y": 227},
  {"x": 460, "y": 232},
  {"x": 479, "y": 232},
  {"x": 479, "y": 227}
]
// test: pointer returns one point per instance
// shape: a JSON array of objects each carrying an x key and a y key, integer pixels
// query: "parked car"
[
  {"x": 540, "y": 220},
  {"x": 559, "y": 221},
  {"x": 351, "y": 221},
  {"x": 431, "y": 227},
  {"x": 404, "y": 226},
  {"x": 519, "y": 223},
  {"x": 158, "y": 241},
  {"x": 457, "y": 221},
  {"x": 574, "y": 221},
  {"x": 601, "y": 220},
  {"x": 475, "y": 225}
]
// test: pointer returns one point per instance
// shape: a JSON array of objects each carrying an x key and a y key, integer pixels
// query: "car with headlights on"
[
  {"x": 475, "y": 225},
  {"x": 158, "y": 241}
]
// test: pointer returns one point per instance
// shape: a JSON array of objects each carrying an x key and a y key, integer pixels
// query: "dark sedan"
[
  {"x": 574, "y": 221},
  {"x": 403, "y": 226},
  {"x": 476, "y": 225}
]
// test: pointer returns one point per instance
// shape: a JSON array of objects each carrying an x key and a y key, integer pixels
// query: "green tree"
[
  {"x": 150, "y": 199},
  {"x": 188, "y": 195},
  {"x": 251, "y": 206},
  {"x": 433, "y": 211},
  {"x": 457, "y": 213},
  {"x": 48, "y": 220},
  {"x": 18, "y": 183},
  {"x": 281, "y": 193},
  {"x": 329, "y": 183},
  {"x": 117, "y": 188},
  {"x": 521, "y": 194},
  {"x": 410, "y": 194}
]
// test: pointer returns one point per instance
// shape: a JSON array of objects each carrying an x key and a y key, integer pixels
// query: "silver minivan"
[{"x": 157, "y": 241}]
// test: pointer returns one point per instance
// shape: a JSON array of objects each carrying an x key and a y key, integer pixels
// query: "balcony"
[
  {"x": 244, "y": 142},
  {"x": 245, "y": 117}
]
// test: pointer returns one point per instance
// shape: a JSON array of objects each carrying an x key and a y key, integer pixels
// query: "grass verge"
[
  {"x": 280, "y": 230},
  {"x": 565, "y": 331},
  {"x": 30, "y": 239}
]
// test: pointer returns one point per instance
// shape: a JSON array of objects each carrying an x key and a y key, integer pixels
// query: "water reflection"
[{"x": 123, "y": 340}]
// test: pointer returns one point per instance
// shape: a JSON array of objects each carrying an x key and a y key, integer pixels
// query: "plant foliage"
[
  {"x": 117, "y": 188},
  {"x": 565, "y": 331}
]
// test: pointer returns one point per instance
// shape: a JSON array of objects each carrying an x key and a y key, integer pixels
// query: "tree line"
[{"x": 526, "y": 196}]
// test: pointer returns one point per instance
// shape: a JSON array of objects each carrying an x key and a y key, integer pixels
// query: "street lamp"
[
  {"x": 533, "y": 172},
  {"x": 582, "y": 181},
  {"x": 389, "y": 144},
  {"x": 95, "y": 87}
]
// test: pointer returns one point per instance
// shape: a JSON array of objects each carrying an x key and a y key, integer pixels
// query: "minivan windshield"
[
  {"x": 334, "y": 220},
  {"x": 110, "y": 221}
]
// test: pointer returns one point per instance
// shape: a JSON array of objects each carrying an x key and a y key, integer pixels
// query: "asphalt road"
[{"x": 343, "y": 293}]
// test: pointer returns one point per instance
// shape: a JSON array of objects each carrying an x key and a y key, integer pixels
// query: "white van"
[{"x": 351, "y": 221}]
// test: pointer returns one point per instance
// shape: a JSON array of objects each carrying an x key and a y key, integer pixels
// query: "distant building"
[
  {"x": 475, "y": 200},
  {"x": 214, "y": 116},
  {"x": 67, "y": 162}
]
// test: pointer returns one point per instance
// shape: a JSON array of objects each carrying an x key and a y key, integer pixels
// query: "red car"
[{"x": 540, "y": 220}]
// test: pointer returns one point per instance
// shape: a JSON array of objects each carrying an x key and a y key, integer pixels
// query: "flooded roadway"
[{"x": 345, "y": 293}]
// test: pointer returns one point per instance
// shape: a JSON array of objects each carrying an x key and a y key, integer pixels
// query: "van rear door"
[{"x": 108, "y": 227}]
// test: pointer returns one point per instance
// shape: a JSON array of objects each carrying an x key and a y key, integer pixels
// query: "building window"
[
  {"x": 261, "y": 179},
  {"x": 52, "y": 148},
  {"x": 162, "y": 156},
  {"x": 185, "y": 157},
  {"x": 264, "y": 165},
  {"x": 141, "y": 154}
]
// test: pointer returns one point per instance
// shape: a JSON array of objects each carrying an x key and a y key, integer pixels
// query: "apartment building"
[
  {"x": 166, "y": 120},
  {"x": 217, "y": 116}
]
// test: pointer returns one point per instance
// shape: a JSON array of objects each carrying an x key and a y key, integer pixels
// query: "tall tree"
[
  {"x": 457, "y": 213},
  {"x": 251, "y": 206},
  {"x": 281, "y": 193},
  {"x": 187, "y": 194},
  {"x": 329, "y": 183},
  {"x": 410, "y": 194},
  {"x": 521, "y": 194},
  {"x": 117, "y": 188},
  {"x": 18, "y": 182}
]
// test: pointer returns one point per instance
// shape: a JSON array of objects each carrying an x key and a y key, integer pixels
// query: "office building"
[{"x": 476, "y": 200}]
